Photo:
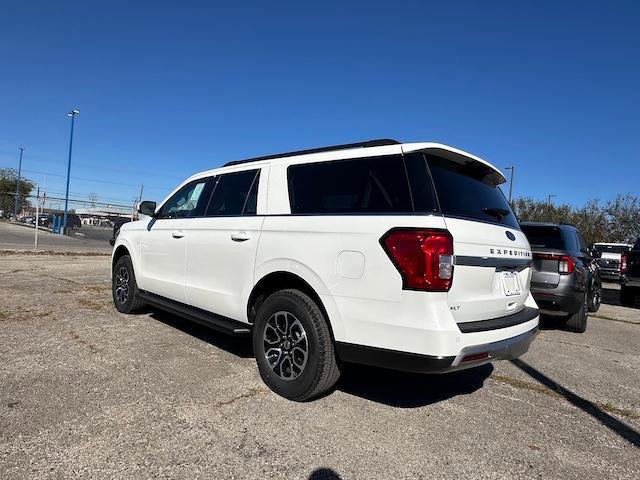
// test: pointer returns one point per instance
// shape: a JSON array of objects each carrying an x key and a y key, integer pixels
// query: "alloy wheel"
[
  {"x": 122, "y": 285},
  {"x": 286, "y": 347}
]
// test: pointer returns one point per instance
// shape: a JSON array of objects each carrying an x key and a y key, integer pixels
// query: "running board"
[{"x": 208, "y": 319}]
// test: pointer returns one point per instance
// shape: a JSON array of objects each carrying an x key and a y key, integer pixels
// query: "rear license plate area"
[{"x": 511, "y": 283}]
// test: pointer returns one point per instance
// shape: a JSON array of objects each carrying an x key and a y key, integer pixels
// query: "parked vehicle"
[
  {"x": 404, "y": 256},
  {"x": 566, "y": 279},
  {"x": 73, "y": 221},
  {"x": 630, "y": 270},
  {"x": 117, "y": 223},
  {"x": 609, "y": 261}
]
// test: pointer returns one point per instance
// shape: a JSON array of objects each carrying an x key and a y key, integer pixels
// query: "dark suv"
[{"x": 566, "y": 279}]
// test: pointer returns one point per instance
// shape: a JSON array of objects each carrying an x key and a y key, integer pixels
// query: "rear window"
[
  {"x": 362, "y": 185},
  {"x": 468, "y": 190},
  {"x": 611, "y": 248},
  {"x": 544, "y": 237}
]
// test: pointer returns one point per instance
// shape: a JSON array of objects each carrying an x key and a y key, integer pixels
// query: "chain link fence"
[{"x": 50, "y": 209}]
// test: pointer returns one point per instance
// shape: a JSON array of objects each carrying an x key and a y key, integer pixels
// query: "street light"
[
  {"x": 549, "y": 197},
  {"x": 512, "y": 169},
  {"x": 71, "y": 114},
  {"x": 15, "y": 206}
]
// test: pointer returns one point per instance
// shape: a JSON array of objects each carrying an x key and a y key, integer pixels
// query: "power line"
[{"x": 82, "y": 179}]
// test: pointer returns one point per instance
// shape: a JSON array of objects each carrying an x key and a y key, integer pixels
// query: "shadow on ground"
[
  {"x": 611, "y": 296},
  {"x": 238, "y": 346},
  {"x": 409, "y": 390},
  {"x": 398, "y": 389},
  {"x": 615, "y": 425},
  {"x": 324, "y": 474}
]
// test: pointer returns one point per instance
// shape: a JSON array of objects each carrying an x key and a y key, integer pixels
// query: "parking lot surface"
[
  {"x": 85, "y": 239},
  {"x": 87, "y": 392}
]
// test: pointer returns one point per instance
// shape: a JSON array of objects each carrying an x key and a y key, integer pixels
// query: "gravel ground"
[{"x": 87, "y": 392}]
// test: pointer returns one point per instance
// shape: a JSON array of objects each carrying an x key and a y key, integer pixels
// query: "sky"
[{"x": 167, "y": 89}]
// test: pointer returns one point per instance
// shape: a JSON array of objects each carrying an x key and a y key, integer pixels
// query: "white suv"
[{"x": 405, "y": 256}]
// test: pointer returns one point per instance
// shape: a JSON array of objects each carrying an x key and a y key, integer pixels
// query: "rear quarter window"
[{"x": 362, "y": 185}]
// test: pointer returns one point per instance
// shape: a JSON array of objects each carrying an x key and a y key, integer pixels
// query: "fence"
[{"x": 79, "y": 211}]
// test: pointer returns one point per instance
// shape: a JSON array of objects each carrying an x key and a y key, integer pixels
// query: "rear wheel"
[
  {"x": 124, "y": 288},
  {"x": 578, "y": 321},
  {"x": 293, "y": 346},
  {"x": 595, "y": 296}
]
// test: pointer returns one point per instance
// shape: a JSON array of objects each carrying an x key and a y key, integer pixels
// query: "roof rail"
[{"x": 370, "y": 143}]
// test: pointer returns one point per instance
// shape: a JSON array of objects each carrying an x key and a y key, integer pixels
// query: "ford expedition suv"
[
  {"x": 566, "y": 281},
  {"x": 405, "y": 256}
]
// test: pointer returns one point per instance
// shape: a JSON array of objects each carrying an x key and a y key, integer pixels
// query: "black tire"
[
  {"x": 595, "y": 296},
  {"x": 124, "y": 288},
  {"x": 628, "y": 296},
  {"x": 280, "y": 322},
  {"x": 578, "y": 321}
]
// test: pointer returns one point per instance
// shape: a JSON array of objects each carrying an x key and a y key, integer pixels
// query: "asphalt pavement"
[
  {"x": 86, "y": 239},
  {"x": 90, "y": 393}
]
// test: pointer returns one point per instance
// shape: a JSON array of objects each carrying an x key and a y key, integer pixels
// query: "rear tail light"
[
  {"x": 623, "y": 263},
  {"x": 566, "y": 264},
  {"x": 424, "y": 257}
]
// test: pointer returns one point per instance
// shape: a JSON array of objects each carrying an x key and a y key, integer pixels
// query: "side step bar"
[{"x": 208, "y": 319}]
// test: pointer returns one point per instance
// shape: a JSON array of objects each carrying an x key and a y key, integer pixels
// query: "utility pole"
[
  {"x": 549, "y": 197},
  {"x": 512, "y": 171},
  {"x": 15, "y": 206},
  {"x": 35, "y": 245},
  {"x": 71, "y": 114}
]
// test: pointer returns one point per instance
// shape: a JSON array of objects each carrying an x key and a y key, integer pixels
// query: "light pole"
[
  {"x": 549, "y": 197},
  {"x": 15, "y": 206},
  {"x": 71, "y": 114},
  {"x": 512, "y": 171}
]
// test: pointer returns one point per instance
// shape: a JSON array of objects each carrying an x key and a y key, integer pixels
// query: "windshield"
[{"x": 468, "y": 190}]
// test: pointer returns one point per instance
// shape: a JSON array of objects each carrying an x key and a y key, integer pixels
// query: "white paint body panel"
[{"x": 340, "y": 257}]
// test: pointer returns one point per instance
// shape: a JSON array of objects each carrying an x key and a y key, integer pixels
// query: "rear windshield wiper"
[{"x": 498, "y": 213}]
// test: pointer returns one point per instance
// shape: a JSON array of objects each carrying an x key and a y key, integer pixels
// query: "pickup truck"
[{"x": 630, "y": 272}]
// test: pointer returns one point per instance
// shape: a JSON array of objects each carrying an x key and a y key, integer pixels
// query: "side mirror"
[{"x": 147, "y": 208}]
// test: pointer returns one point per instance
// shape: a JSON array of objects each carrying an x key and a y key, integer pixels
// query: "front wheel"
[
  {"x": 293, "y": 346},
  {"x": 124, "y": 288}
]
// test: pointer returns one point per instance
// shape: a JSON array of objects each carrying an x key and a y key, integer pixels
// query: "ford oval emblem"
[{"x": 511, "y": 236}]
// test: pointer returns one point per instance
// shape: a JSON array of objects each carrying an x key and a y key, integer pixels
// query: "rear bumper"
[
  {"x": 468, "y": 357},
  {"x": 610, "y": 274},
  {"x": 558, "y": 301}
]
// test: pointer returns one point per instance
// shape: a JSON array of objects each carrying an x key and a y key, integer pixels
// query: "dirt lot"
[{"x": 86, "y": 392}]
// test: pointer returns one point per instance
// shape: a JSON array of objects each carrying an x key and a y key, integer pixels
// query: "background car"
[
  {"x": 565, "y": 281},
  {"x": 630, "y": 271},
  {"x": 609, "y": 261}
]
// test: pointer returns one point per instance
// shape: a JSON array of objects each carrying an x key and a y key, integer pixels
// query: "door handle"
[
  {"x": 240, "y": 236},
  {"x": 177, "y": 234}
]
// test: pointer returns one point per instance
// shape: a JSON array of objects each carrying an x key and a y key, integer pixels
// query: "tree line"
[{"x": 616, "y": 220}]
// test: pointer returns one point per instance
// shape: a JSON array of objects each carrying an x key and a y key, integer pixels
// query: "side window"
[
  {"x": 190, "y": 201},
  {"x": 375, "y": 185},
  {"x": 235, "y": 194},
  {"x": 582, "y": 243}
]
